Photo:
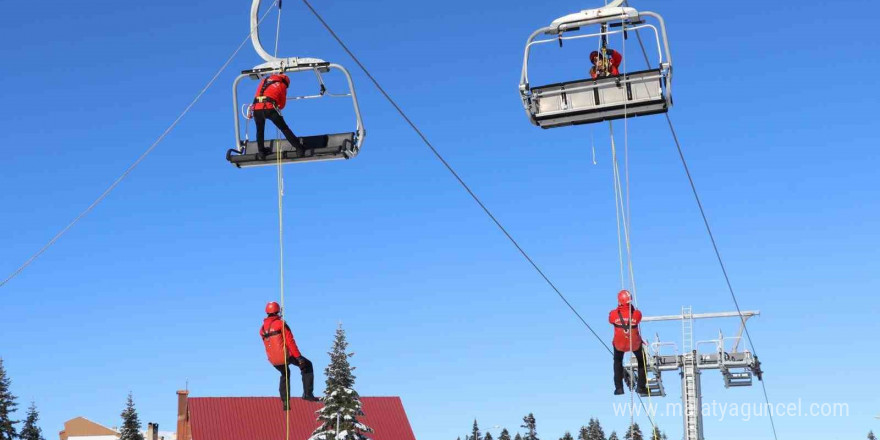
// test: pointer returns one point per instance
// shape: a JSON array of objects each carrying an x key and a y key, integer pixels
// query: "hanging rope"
[{"x": 279, "y": 174}]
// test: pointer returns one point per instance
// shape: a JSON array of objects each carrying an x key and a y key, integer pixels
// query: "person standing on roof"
[
  {"x": 625, "y": 319},
  {"x": 271, "y": 96},
  {"x": 282, "y": 351},
  {"x": 606, "y": 63}
]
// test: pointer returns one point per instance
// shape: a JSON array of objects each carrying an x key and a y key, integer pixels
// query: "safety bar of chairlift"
[
  {"x": 626, "y": 80},
  {"x": 656, "y": 346},
  {"x": 524, "y": 77},
  {"x": 361, "y": 133}
]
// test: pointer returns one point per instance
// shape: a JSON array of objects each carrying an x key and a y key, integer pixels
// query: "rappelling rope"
[
  {"x": 279, "y": 173},
  {"x": 131, "y": 168}
]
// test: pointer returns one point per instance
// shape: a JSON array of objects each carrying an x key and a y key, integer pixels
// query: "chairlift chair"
[
  {"x": 586, "y": 101},
  {"x": 323, "y": 147}
]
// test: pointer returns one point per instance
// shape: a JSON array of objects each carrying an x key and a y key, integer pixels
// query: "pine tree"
[
  {"x": 613, "y": 436},
  {"x": 871, "y": 435},
  {"x": 488, "y": 436},
  {"x": 30, "y": 430},
  {"x": 518, "y": 437},
  {"x": 656, "y": 435},
  {"x": 342, "y": 404},
  {"x": 634, "y": 433},
  {"x": 7, "y": 407},
  {"x": 131, "y": 424},
  {"x": 583, "y": 433},
  {"x": 504, "y": 435},
  {"x": 594, "y": 430},
  {"x": 529, "y": 424},
  {"x": 475, "y": 432},
  {"x": 567, "y": 436}
]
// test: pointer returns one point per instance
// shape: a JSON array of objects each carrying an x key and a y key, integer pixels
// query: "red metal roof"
[{"x": 261, "y": 418}]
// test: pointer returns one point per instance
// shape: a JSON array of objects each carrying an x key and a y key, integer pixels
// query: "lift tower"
[{"x": 737, "y": 367}]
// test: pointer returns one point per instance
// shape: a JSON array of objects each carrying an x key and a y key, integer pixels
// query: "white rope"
[{"x": 131, "y": 168}]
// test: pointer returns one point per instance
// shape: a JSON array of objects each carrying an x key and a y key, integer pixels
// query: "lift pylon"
[{"x": 737, "y": 367}]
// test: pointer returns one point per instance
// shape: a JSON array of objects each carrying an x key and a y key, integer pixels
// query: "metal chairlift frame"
[
  {"x": 318, "y": 148},
  {"x": 590, "y": 100}
]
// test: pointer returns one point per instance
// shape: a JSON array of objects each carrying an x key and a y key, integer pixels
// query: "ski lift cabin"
[
  {"x": 590, "y": 100},
  {"x": 344, "y": 145}
]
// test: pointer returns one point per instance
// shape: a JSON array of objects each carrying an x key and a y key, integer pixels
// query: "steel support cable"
[
  {"x": 454, "y": 173},
  {"x": 131, "y": 168},
  {"x": 711, "y": 235}
]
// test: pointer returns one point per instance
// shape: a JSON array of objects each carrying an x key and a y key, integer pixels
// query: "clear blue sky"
[{"x": 165, "y": 282}]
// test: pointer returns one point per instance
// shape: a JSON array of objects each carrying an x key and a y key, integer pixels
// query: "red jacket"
[
  {"x": 271, "y": 332},
  {"x": 615, "y": 58},
  {"x": 626, "y": 339},
  {"x": 276, "y": 90}
]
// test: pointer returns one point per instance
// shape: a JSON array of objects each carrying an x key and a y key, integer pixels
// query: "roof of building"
[
  {"x": 83, "y": 427},
  {"x": 261, "y": 418}
]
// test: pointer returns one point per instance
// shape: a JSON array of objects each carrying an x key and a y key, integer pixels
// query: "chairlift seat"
[
  {"x": 317, "y": 148},
  {"x": 602, "y": 99}
]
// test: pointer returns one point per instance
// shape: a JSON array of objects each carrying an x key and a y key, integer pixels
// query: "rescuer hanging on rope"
[
  {"x": 271, "y": 96},
  {"x": 625, "y": 319},
  {"x": 605, "y": 63},
  {"x": 276, "y": 337}
]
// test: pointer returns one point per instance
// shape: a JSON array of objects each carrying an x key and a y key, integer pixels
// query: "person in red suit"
[
  {"x": 605, "y": 65},
  {"x": 282, "y": 351},
  {"x": 625, "y": 319},
  {"x": 271, "y": 96}
]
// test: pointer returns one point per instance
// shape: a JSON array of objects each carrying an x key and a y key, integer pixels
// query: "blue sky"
[{"x": 165, "y": 282}]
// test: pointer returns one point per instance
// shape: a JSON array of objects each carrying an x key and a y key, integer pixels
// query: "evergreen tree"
[
  {"x": 518, "y": 437},
  {"x": 131, "y": 424},
  {"x": 583, "y": 433},
  {"x": 567, "y": 436},
  {"x": 504, "y": 435},
  {"x": 342, "y": 404},
  {"x": 594, "y": 430},
  {"x": 488, "y": 436},
  {"x": 871, "y": 435},
  {"x": 634, "y": 433},
  {"x": 613, "y": 436},
  {"x": 30, "y": 430},
  {"x": 475, "y": 432},
  {"x": 7, "y": 407},
  {"x": 529, "y": 424}
]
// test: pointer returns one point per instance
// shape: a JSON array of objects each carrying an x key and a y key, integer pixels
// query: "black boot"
[
  {"x": 263, "y": 152},
  {"x": 618, "y": 391},
  {"x": 308, "y": 380}
]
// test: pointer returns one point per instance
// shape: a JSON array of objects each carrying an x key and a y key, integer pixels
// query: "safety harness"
[
  {"x": 260, "y": 98},
  {"x": 266, "y": 333},
  {"x": 624, "y": 324}
]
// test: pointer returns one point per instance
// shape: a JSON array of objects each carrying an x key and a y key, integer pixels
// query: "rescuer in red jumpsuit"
[
  {"x": 607, "y": 65},
  {"x": 277, "y": 337},
  {"x": 271, "y": 96},
  {"x": 625, "y": 319}
]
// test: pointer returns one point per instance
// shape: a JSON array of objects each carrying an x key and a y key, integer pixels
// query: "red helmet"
[
  {"x": 272, "y": 308},
  {"x": 624, "y": 297}
]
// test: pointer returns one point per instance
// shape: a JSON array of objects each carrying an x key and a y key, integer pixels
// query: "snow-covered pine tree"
[
  {"x": 594, "y": 430},
  {"x": 529, "y": 424},
  {"x": 475, "y": 432},
  {"x": 30, "y": 430},
  {"x": 583, "y": 433},
  {"x": 342, "y": 404},
  {"x": 488, "y": 436},
  {"x": 656, "y": 435},
  {"x": 634, "y": 433},
  {"x": 7, "y": 406},
  {"x": 505, "y": 435},
  {"x": 518, "y": 437},
  {"x": 613, "y": 436},
  {"x": 871, "y": 435},
  {"x": 131, "y": 424},
  {"x": 567, "y": 436}
]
